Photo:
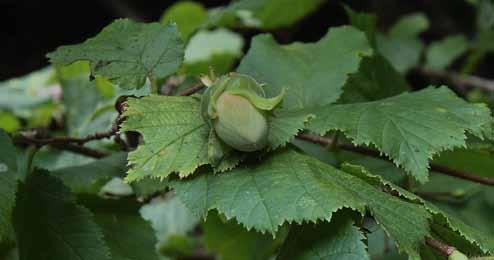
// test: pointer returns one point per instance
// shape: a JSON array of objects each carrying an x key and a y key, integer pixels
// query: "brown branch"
[
  {"x": 195, "y": 88},
  {"x": 459, "y": 79},
  {"x": 443, "y": 249},
  {"x": 370, "y": 152},
  {"x": 80, "y": 150},
  {"x": 73, "y": 144},
  {"x": 78, "y": 140},
  {"x": 462, "y": 175},
  {"x": 62, "y": 146}
]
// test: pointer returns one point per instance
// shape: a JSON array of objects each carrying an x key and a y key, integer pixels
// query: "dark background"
[{"x": 31, "y": 28}]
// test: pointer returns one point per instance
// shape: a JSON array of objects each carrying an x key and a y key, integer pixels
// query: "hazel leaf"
[{"x": 127, "y": 52}]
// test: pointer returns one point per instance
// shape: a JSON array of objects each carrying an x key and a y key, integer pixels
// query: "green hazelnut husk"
[{"x": 236, "y": 108}]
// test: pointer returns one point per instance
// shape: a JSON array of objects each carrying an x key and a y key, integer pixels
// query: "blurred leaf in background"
[
  {"x": 401, "y": 45},
  {"x": 188, "y": 15},
  {"x": 217, "y": 49}
]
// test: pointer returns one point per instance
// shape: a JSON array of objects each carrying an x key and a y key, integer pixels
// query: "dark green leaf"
[
  {"x": 442, "y": 53},
  {"x": 128, "y": 52},
  {"x": 231, "y": 241},
  {"x": 313, "y": 74},
  {"x": 8, "y": 187},
  {"x": 90, "y": 177},
  {"x": 364, "y": 22},
  {"x": 290, "y": 187},
  {"x": 410, "y": 25},
  {"x": 339, "y": 239},
  {"x": 450, "y": 229},
  {"x": 50, "y": 226},
  {"x": 401, "y": 46},
  {"x": 376, "y": 79},
  {"x": 128, "y": 236},
  {"x": 409, "y": 128}
]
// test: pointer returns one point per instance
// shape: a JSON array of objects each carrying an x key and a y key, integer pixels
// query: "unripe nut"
[
  {"x": 240, "y": 124},
  {"x": 236, "y": 108}
]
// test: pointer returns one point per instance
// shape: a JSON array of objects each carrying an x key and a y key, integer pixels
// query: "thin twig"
[
  {"x": 78, "y": 140},
  {"x": 370, "y": 152},
  {"x": 80, "y": 150},
  {"x": 462, "y": 175},
  {"x": 459, "y": 79},
  {"x": 74, "y": 144},
  {"x": 62, "y": 146},
  {"x": 195, "y": 88},
  {"x": 443, "y": 249}
]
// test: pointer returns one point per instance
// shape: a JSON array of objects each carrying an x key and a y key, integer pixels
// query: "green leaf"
[
  {"x": 8, "y": 187},
  {"x": 148, "y": 187},
  {"x": 127, "y": 52},
  {"x": 284, "y": 126},
  {"x": 448, "y": 228},
  {"x": 485, "y": 18},
  {"x": 188, "y": 16},
  {"x": 409, "y": 128},
  {"x": 19, "y": 94},
  {"x": 442, "y": 53},
  {"x": 461, "y": 159},
  {"x": 51, "y": 226},
  {"x": 81, "y": 97},
  {"x": 401, "y": 46},
  {"x": 116, "y": 187},
  {"x": 312, "y": 73},
  {"x": 169, "y": 218},
  {"x": 90, "y": 177},
  {"x": 128, "y": 236},
  {"x": 266, "y": 14},
  {"x": 463, "y": 236},
  {"x": 384, "y": 168},
  {"x": 10, "y": 254},
  {"x": 339, "y": 239},
  {"x": 231, "y": 241},
  {"x": 376, "y": 79},
  {"x": 410, "y": 25},
  {"x": 261, "y": 14},
  {"x": 290, "y": 187},
  {"x": 403, "y": 53},
  {"x": 364, "y": 22},
  {"x": 175, "y": 136},
  {"x": 50, "y": 159},
  {"x": 9, "y": 122},
  {"x": 217, "y": 49},
  {"x": 265, "y": 195},
  {"x": 205, "y": 44}
]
